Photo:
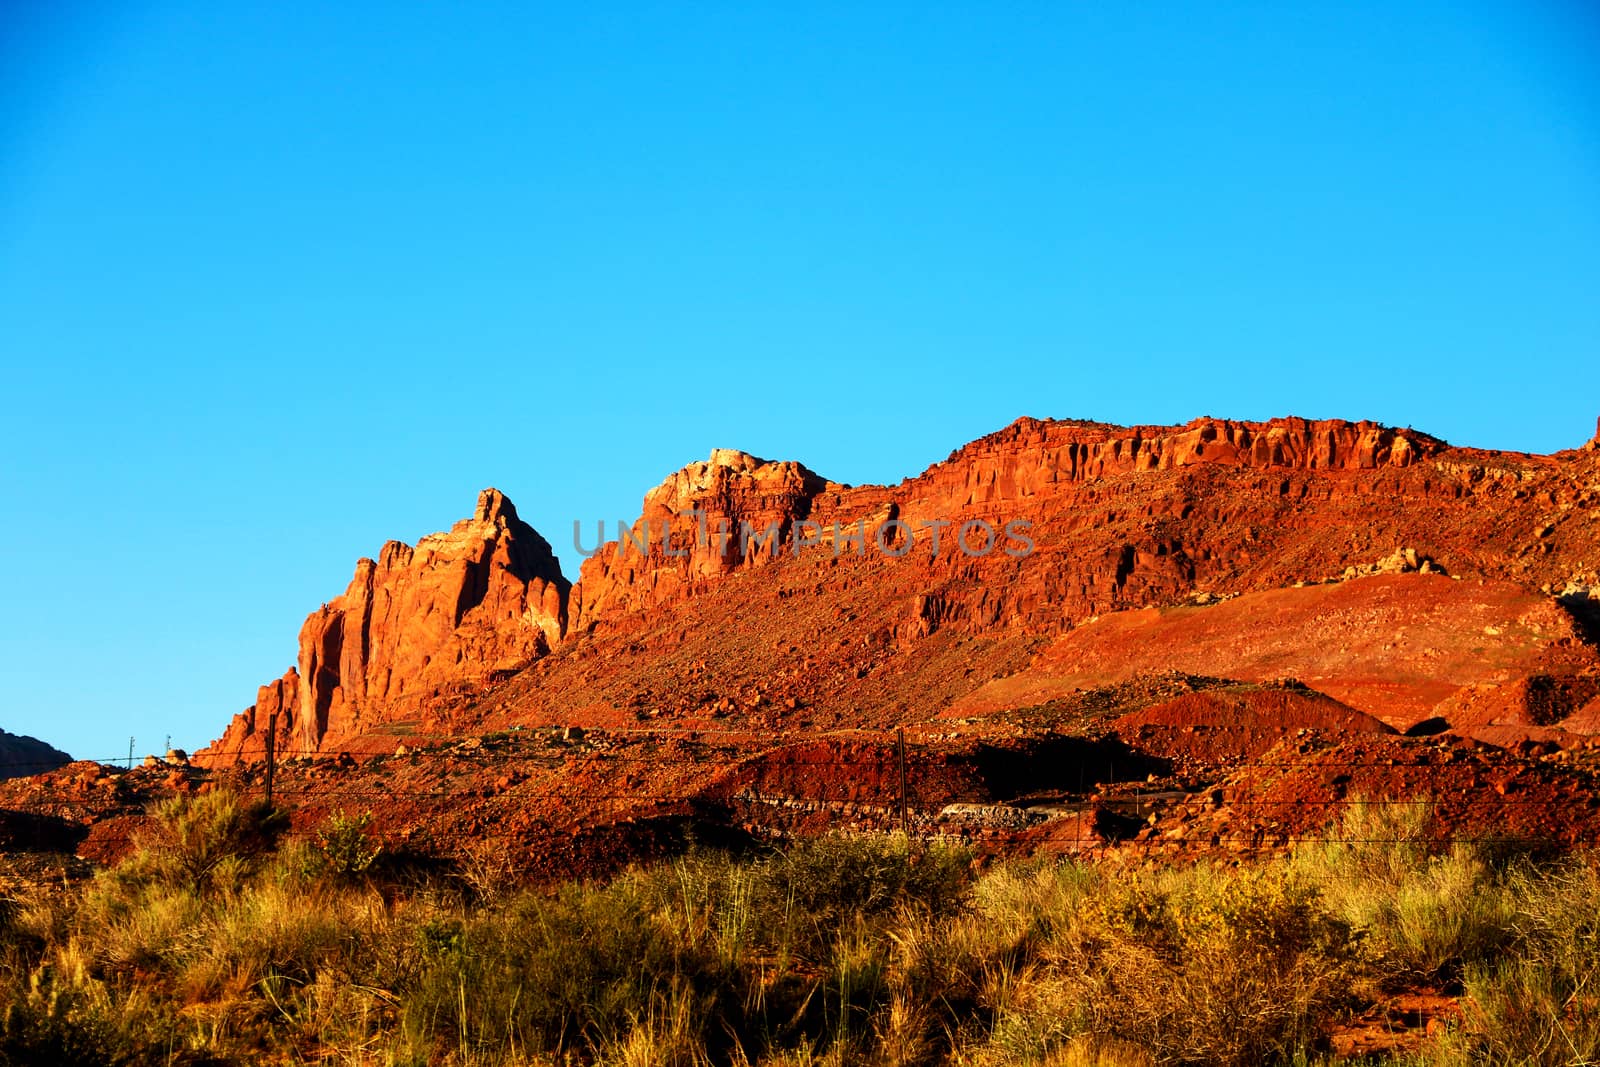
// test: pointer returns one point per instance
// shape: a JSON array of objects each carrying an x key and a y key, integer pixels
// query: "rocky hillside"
[
  {"x": 966, "y": 588},
  {"x": 1066, "y": 636}
]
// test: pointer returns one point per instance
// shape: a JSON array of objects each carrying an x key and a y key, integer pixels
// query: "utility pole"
[
  {"x": 900, "y": 759},
  {"x": 272, "y": 751},
  {"x": 130, "y": 753}
]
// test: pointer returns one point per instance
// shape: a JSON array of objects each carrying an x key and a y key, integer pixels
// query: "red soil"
[{"x": 1392, "y": 646}]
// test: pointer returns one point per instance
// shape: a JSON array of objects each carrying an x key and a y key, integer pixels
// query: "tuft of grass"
[
  {"x": 1539, "y": 1003},
  {"x": 1427, "y": 911},
  {"x": 59, "y": 1012},
  {"x": 1197, "y": 965}
]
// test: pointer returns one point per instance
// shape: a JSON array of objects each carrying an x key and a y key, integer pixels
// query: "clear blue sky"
[{"x": 278, "y": 281}]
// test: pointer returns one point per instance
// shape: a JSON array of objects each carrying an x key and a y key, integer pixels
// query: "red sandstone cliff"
[
  {"x": 708, "y": 506},
  {"x": 702, "y": 512},
  {"x": 1119, "y": 517},
  {"x": 1023, "y": 472},
  {"x": 485, "y": 598}
]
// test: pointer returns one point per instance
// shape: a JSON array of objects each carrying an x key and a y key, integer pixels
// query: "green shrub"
[
  {"x": 442, "y": 937},
  {"x": 832, "y": 877},
  {"x": 346, "y": 846}
]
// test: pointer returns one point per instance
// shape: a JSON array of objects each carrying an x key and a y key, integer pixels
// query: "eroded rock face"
[
  {"x": 680, "y": 618},
  {"x": 692, "y": 529},
  {"x": 1031, "y": 456},
  {"x": 245, "y": 739},
  {"x": 1028, "y": 471},
  {"x": 485, "y": 598}
]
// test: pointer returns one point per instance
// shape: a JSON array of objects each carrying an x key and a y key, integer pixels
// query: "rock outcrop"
[
  {"x": 485, "y": 599},
  {"x": 1031, "y": 455},
  {"x": 274, "y": 713},
  {"x": 1021, "y": 472},
  {"x": 704, "y": 521}
]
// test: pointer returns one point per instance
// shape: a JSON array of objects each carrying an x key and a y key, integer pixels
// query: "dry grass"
[{"x": 872, "y": 951}]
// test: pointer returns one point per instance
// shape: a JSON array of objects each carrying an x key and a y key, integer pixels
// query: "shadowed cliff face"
[
  {"x": 21, "y": 755},
  {"x": 1116, "y": 518}
]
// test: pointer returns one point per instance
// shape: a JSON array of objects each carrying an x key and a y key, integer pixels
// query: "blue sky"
[{"x": 279, "y": 282}]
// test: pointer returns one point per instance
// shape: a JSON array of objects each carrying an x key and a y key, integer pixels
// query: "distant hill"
[{"x": 21, "y": 755}]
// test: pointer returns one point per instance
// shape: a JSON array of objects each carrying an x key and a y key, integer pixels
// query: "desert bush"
[
  {"x": 832, "y": 877},
  {"x": 797, "y": 900},
  {"x": 1203, "y": 966},
  {"x": 345, "y": 845},
  {"x": 958, "y": 977},
  {"x": 573, "y": 971},
  {"x": 1540, "y": 1002},
  {"x": 1195, "y": 966},
  {"x": 205, "y": 841},
  {"x": 788, "y": 950},
  {"x": 274, "y": 962},
  {"x": 1427, "y": 910},
  {"x": 141, "y": 926},
  {"x": 858, "y": 950},
  {"x": 1525, "y": 1011}
]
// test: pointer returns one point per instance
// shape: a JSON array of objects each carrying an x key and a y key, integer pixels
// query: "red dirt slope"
[
  {"x": 1224, "y": 727},
  {"x": 1393, "y": 646}
]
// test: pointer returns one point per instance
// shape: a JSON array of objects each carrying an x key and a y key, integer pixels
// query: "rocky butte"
[
  {"x": 1310, "y": 528},
  {"x": 482, "y": 600}
]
